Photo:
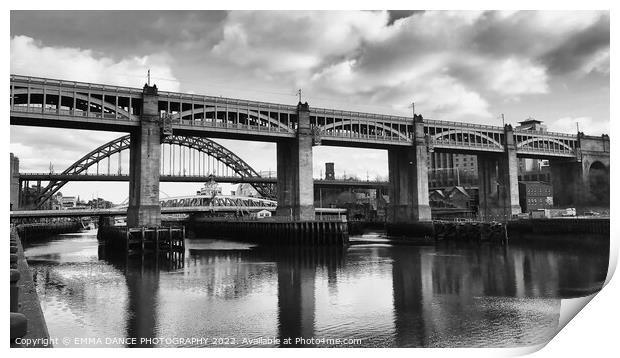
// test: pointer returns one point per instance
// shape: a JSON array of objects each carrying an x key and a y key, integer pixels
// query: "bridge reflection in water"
[{"x": 386, "y": 296}]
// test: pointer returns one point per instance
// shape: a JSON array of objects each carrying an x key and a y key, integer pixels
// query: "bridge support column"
[
  {"x": 15, "y": 184},
  {"x": 509, "y": 174},
  {"x": 487, "y": 185},
  {"x": 408, "y": 173},
  {"x": 583, "y": 180},
  {"x": 144, "y": 163},
  {"x": 567, "y": 180},
  {"x": 498, "y": 185},
  {"x": 295, "y": 182}
]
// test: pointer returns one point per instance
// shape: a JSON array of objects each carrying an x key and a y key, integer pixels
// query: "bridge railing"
[
  {"x": 434, "y": 123},
  {"x": 335, "y": 113},
  {"x": 547, "y": 151},
  {"x": 227, "y": 125},
  {"x": 440, "y": 142},
  {"x": 546, "y": 134},
  {"x": 66, "y": 112},
  {"x": 19, "y": 79},
  {"x": 351, "y": 134},
  {"x": 176, "y": 96}
]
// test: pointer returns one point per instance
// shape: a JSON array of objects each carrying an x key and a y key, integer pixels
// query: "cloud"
[
  {"x": 515, "y": 76},
  {"x": 577, "y": 52},
  {"x": 586, "y": 124},
  {"x": 453, "y": 63},
  {"x": 30, "y": 57},
  {"x": 395, "y": 15},
  {"x": 294, "y": 41},
  {"x": 121, "y": 34},
  {"x": 37, "y": 147}
]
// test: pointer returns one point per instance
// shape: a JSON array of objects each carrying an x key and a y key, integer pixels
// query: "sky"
[{"x": 469, "y": 66}]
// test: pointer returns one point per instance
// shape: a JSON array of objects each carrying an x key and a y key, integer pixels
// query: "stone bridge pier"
[
  {"x": 498, "y": 186},
  {"x": 583, "y": 180},
  {"x": 144, "y": 164},
  {"x": 409, "y": 211},
  {"x": 295, "y": 182},
  {"x": 408, "y": 176}
]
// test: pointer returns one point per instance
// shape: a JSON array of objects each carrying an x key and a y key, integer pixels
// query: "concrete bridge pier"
[
  {"x": 567, "y": 180},
  {"x": 15, "y": 184},
  {"x": 584, "y": 179},
  {"x": 295, "y": 183},
  {"x": 409, "y": 208},
  {"x": 144, "y": 163},
  {"x": 498, "y": 185}
]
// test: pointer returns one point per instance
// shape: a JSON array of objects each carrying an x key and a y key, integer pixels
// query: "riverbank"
[{"x": 35, "y": 231}]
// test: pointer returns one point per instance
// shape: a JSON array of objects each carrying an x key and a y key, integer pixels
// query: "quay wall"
[
  {"x": 28, "y": 301},
  {"x": 275, "y": 231},
  {"x": 560, "y": 226},
  {"x": 35, "y": 231}
]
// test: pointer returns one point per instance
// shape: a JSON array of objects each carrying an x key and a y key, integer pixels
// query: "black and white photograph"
[{"x": 307, "y": 178}]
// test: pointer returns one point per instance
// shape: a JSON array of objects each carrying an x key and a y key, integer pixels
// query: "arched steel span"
[{"x": 207, "y": 146}]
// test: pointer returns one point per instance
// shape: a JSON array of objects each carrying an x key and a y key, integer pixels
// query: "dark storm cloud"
[
  {"x": 562, "y": 47},
  {"x": 497, "y": 35},
  {"x": 578, "y": 49},
  {"x": 120, "y": 33},
  {"x": 400, "y": 14}
]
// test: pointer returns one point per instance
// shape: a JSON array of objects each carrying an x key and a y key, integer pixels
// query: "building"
[
  {"x": 246, "y": 189},
  {"x": 457, "y": 197},
  {"x": 533, "y": 169},
  {"x": 210, "y": 188},
  {"x": 448, "y": 169},
  {"x": 261, "y": 214},
  {"x": 535, "y": 195},
  {"x": 329, "y": 171},
  {"x": 68, "y": 202},
  {"x": 436, "y": 199}
]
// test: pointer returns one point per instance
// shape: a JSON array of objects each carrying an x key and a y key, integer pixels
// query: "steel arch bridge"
[{"x": 203, "y": 145}]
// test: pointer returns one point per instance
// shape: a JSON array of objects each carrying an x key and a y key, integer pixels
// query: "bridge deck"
[{"x": 68, "y": 104}]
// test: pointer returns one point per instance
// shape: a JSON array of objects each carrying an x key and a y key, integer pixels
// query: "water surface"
[{"x": 223, "y": 293}]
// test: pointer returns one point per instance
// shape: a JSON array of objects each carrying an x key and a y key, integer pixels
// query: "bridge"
[
  {"x": 68, "y": 104},
  {"x": 187, "y": 160},
  {"x": 196, "y": 179},
  {"x": 153, "y": 117}
]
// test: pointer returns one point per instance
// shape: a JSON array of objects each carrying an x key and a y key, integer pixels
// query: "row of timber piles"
[
  {"x": 561, "y": 226},
  {"x": 275, "y": 232},
  {"x": 26, "y": 316},
  {"x": 143, "y": 239},
  {"x": 471, "y": 231}
]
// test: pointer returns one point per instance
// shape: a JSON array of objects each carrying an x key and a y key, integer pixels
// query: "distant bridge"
[
  {"x": 195, "y": 179},
  {"x": 204, "y": 159}
]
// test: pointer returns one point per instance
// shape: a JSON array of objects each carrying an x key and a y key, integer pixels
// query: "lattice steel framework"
[
  {"x": 215, "y": 201},
  {"x": 204, "y": 145}
]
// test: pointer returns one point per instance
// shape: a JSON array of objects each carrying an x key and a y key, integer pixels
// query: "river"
[{"x": 223, "y": 293}]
